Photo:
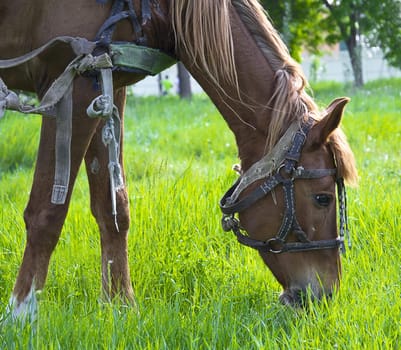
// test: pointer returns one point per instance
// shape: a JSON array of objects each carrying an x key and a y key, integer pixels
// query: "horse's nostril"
[
  {"x": 296, "y": 298},
  {"x": 293, "y": 298},
  {"x": 301, "y": 298},
  {"x": 286, "y": 299}
]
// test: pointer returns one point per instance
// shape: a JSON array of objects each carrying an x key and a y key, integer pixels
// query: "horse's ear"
[{"x": 330, "y": 121}]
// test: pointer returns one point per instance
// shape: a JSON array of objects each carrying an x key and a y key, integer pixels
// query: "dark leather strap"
[
  {"x": 289, "y": 211},
  {"x": 228, "y": 207},
  {"x": 277, "y": 246},
  {"x": 290, "y": 223},
  {"x": 105, "y": 33},
  {"x": 261, "y": 191},
  {"x": 146, "y": 14},
  {"x": 294, "y": 153}
]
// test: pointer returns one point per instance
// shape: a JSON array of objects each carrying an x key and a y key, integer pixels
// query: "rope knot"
[
  {"x": 89, "y": 62},
  {"x": 8, "y": 99},
  {"x": 100, "y": 107},
  {"x": 108, "y": 133}
]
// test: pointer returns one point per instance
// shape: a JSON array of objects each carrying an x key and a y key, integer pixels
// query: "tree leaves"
[{"x": 307, "y": 24}]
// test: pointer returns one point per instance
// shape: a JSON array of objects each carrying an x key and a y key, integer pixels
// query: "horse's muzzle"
[{"x": 299, "y": 298}]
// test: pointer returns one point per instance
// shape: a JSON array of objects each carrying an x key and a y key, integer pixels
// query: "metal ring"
[
  {"x": 275, "y": 245},
  {"x": 286, "y": 176}
]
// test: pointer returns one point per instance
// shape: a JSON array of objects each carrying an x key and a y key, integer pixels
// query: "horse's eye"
[{"x": 323, "y": 200}]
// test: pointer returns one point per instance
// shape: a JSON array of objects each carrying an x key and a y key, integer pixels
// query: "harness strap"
[
  {"x": 342, "y": 204},
  {"x": 84, "y": 61},
  {"x": 105, "y": 33},
  {"x": 289, "y": 214},
  {"x": 294, "y": 153},
  {"x": 229, "y": 206},
  {"x": 80, "y": 46},
  {"x": 141, "y": 59},
  {"x": 59, "y": 87},
  {"x": 103, "y": 107},
  {"x": 63, "y": 148},
  {"x": 111, "y": 139},
  {"x": 106, "y": 30},
  {"x": 64, "y": 119},
  {"x": 57, "y": 101},
  {"x": 146, "y": 14},
  {"x": 268, "y": 164},
  {"x": 8, "y": 99},
  {"x": 276, "y": 246}
]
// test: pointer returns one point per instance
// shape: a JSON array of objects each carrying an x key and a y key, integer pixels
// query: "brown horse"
[{"x": 232, "y": 50}]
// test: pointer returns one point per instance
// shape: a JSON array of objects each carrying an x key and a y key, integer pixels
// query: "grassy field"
[{"x": 196, "y": 287}]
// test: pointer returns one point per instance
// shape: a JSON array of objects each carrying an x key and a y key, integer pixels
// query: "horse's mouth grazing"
[{"x": 299, "y": 298}]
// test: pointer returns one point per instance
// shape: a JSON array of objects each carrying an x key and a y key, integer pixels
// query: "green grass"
[{"x": 196, "y": 287}]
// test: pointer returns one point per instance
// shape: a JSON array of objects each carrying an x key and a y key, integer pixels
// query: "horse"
[{"x": 292, "y": 155}]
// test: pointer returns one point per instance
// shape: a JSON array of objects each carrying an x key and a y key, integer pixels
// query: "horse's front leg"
[
  {"x": 44, "y": 220},
  {"x": 115, "y": 271}
]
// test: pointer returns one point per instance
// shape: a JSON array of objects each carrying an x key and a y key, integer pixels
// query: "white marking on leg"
[{"x": 26, "y": 310}]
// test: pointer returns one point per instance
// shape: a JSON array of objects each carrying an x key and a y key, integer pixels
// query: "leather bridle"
[{"x": 285, "y": 174}]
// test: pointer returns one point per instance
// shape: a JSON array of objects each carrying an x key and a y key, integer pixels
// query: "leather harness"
[
  {"x": 285, "y": 173},
  {"x": 100, "y": 57}
]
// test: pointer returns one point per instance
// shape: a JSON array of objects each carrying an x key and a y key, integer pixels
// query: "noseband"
[{"x": 280, "y": 167}]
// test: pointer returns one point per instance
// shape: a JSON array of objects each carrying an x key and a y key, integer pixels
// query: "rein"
[{"x": 280, "y": 168}]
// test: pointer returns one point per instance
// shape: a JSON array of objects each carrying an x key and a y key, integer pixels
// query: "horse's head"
[
  {"x": 292, "y": 157},
  {"x": 289, "y": 213}
]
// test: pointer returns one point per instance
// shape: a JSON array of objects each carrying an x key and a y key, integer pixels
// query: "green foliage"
[
  {"x": 301, "y": 23},
  {"x": 196, "y": 287},
  {"x": 383, "y": 24},
  {"x": 374, "y": 23},
  {"x": 307, "y": 24},
  {"x": 377, "y": 22}
]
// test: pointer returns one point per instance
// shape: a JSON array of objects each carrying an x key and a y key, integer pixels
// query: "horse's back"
[{"x": 25, "y": 24}]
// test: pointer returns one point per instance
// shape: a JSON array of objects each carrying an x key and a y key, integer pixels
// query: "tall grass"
[{"x": 196, "y": 287}]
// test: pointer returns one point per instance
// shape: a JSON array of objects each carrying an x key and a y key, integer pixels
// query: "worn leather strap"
[
  {"x": 294, "y": 153},
  {"x": 80, "y": 46},
  {"x": 57, "y": 102},
  {"x": 229, "y": 206},
  {"x": 63, "y": 148},
  {"x": 268, "y": 164},
  {"x": 143, "y": 59},
  {"x": 61, "y": 85},
  {"x": 105, "y": 32},
  {"x": 146, "y": 15}
]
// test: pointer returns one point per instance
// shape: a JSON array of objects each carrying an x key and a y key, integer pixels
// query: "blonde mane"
[{"x": 203, "y": 31}]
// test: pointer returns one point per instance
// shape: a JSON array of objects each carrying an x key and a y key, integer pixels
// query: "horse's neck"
[{"x": 246, "y": 116}]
